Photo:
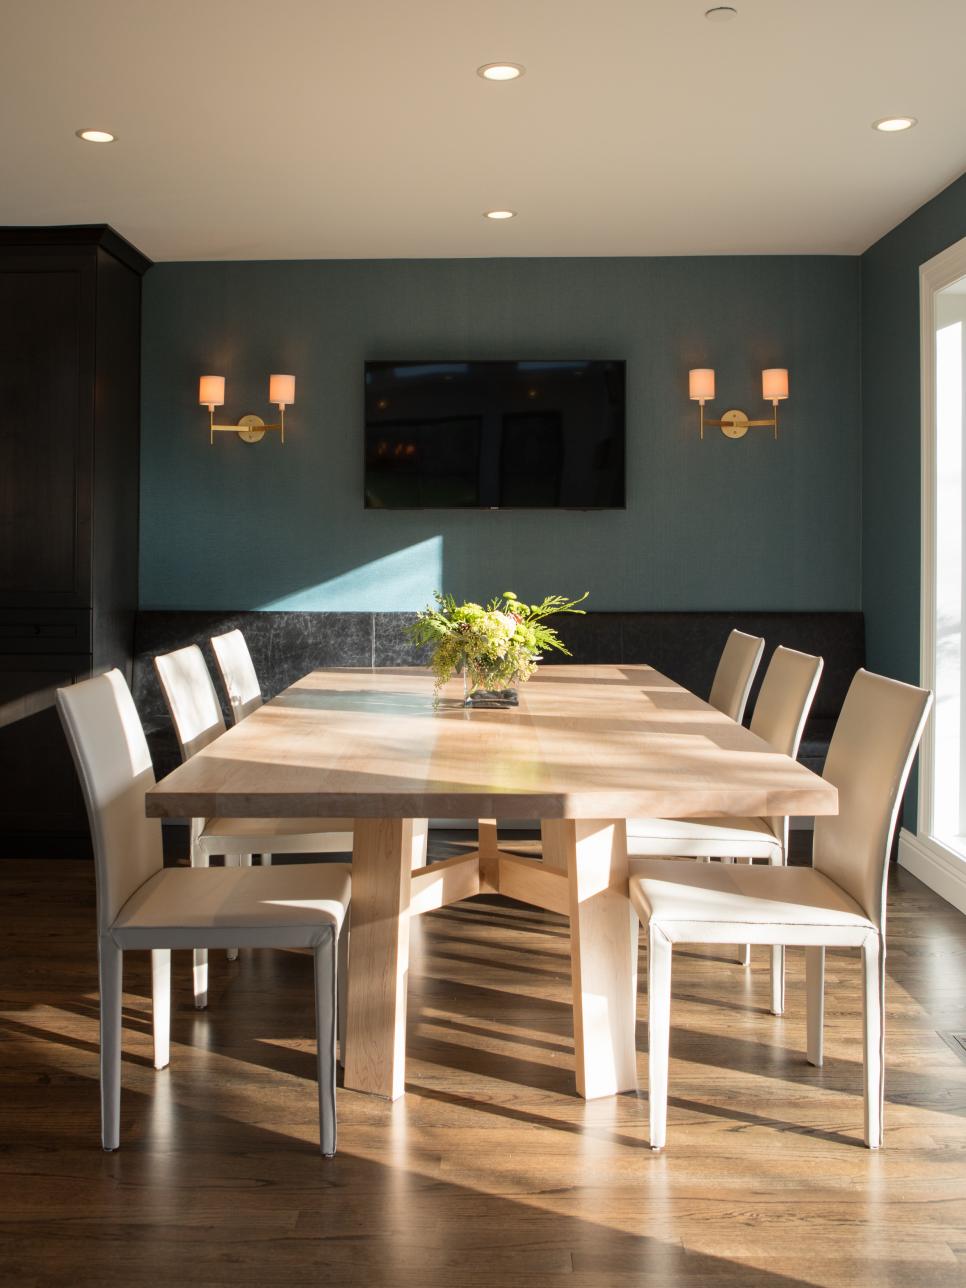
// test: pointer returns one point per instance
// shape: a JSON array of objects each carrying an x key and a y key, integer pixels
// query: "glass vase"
[{"x": 497, "y": 699}]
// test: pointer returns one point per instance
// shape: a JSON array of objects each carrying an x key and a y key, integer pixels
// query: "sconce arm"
[
  {"x": 235, "y": 428},
  {"x": 243, "y": 425}
]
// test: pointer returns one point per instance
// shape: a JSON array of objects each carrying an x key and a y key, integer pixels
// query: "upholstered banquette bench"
[{"x": 684, "y": 645}]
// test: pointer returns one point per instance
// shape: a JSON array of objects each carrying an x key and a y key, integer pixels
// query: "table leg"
[
  {"x": 603, "y": 950},
  {"x": 553, "y": 844},
  {"x": 420, "y": 842},
  {"x": 382, "y": 856},
  {"x": 489, "y": 855}
]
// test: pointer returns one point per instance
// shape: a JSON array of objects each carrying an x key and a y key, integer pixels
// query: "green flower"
[{"x": 497, "y": 646}]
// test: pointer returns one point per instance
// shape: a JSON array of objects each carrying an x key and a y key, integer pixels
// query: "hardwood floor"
[{"x": 490, "y": 1170}]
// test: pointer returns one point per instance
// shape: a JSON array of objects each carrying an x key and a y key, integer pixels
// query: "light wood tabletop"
[
  {"x": 587, "y": 748},
  {"x": 585, "y": 742}
]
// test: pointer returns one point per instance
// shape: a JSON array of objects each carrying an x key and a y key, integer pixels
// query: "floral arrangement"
[{"x": 493, "y": 647}]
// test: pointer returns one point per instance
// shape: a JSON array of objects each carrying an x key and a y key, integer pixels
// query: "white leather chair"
[
  {"x": 196, "y": 715},
  {"x": 730, "y": 688},
  {"x": 740, "y": 659},
  {"x": 288, "y": 836},
  {"x": 784, "y": 701},
  {"x": 143, "y": 905},
  {"x": 839, "y": 902},
  {"x": 244, "y": 693},
  {"x": 238, "y": 675}
]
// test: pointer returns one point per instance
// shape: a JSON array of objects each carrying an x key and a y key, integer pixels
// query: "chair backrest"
[
  {"x": 237, "y": 672},
  {"x": 869, "y": 759},
  {"x": 784, "y": 701},
  {"x": 736, "y": 670},
  {"x": 114, "y": 766},
  {"x": 192, "y": 701}
]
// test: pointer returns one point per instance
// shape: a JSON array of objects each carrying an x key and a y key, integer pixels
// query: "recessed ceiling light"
[
  {"x": 721, "y": 13},
  {"x": 95, "y": 136},
  {"x": 499, "y": 214},
  {"x": 500, "y": 71},
  {"x": 893, "y": 124}
]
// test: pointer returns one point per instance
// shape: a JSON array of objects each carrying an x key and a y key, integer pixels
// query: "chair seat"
[
  {"x": 276, "y": 836},
  {"x": 723, "y": 904},
  {"x": 294, "y": 906},
  {"x": 716, "y": 838}
]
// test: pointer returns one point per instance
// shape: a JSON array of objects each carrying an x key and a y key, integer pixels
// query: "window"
[{"x": 939, "y": 851}]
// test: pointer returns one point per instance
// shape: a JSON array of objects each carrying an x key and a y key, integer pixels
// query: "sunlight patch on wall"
[{"x": 399, "y": 582}]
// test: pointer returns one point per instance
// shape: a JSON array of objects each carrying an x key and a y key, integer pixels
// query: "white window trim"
[{"x": 923, "y": 854}]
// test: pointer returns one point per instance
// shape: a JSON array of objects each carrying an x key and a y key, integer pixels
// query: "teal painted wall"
[
  {"x": 891, "y": 431},
  {"x": 718, "y": 524},
  {"x": 891, "y": 453}
]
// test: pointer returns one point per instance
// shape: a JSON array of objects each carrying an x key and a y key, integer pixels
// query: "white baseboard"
[{"x": 935, "y": 866}]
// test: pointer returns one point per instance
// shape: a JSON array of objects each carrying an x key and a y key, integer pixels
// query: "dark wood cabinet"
[{"x": 70, "y": 318}]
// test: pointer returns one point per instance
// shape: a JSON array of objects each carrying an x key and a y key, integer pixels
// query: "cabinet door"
[
  {"x": 41, "y": 807},
  {"x": 46, "y": 423}
]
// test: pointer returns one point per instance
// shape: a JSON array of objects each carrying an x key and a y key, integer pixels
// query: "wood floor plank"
[{"x": 490, "y": 1171}]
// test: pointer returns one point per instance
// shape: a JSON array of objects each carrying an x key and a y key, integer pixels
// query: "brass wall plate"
[
  {"x": 734, "y": 424},
  {"x": 249, "y": 430}
]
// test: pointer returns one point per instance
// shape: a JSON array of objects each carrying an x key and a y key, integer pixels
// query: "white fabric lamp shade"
[
  {"x": 211, "y": 391},
  {"x": 281, "y": 390},
  {"x": 701, "y": 384},
  {"x": 774, "y": 384}
]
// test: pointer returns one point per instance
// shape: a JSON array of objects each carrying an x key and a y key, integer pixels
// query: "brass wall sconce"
[
  {"x": 735, "y": 423},
  {"x": 211, "y": 394}
]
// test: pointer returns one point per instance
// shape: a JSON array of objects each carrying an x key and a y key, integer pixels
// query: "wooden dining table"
[{"x": 587, "y": 748}]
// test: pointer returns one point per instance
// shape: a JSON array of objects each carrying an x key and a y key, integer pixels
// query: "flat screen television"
[{"x": 494, "y": 435}]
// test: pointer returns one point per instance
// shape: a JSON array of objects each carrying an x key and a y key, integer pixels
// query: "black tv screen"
[{"x": 494, "y": 435}]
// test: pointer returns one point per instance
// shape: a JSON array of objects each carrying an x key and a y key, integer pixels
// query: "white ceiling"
[{"x": 284, "y": 129}]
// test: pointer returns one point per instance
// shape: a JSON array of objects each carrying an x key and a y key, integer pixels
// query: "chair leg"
[
  {"x": 873, "y": 1034},
  {"x": 199, "y": 859},
  {"x": 744, "y": 950},
  {"x": 778, "y": 979},
  {"x": 236, "y": 861},
  {"x": 658, "y": 1032},
  {"x": 200, "y": 977},
  {"x": 778, "y": 959},
  {"x": 111, "y": 970},
  {"x": 343, "y": 983},
  {"x": 161, "y": 1005},
  {"x": 266, "y": 860},
  {"x": 325, "y": 1026},
  {"x": 815, "y": 1004}
]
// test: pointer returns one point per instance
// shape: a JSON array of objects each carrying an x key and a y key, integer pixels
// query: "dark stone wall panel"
[{"x": 685, "y": 646}]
